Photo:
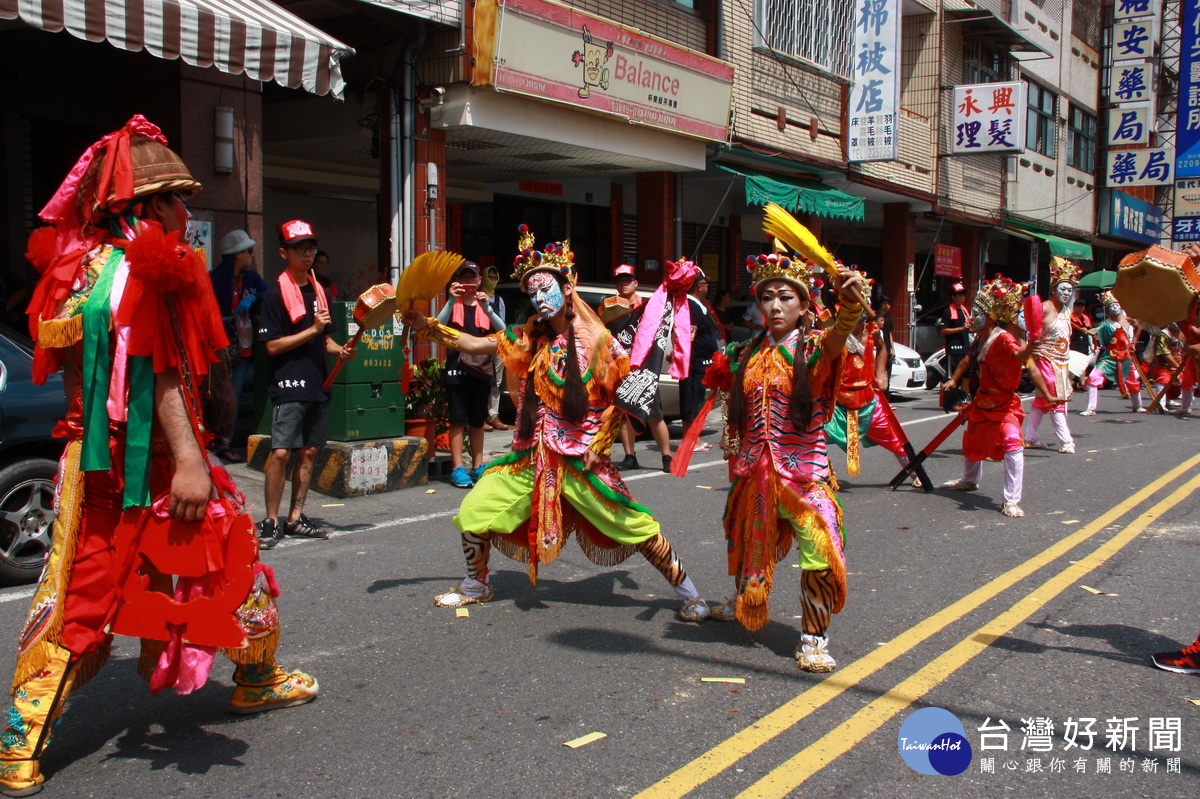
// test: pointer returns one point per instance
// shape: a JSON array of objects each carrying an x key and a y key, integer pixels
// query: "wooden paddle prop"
[
  {"x": 374, "y": 308},
  {"x": 894, "y": 423},
  {"x": 914, "y": 462}
]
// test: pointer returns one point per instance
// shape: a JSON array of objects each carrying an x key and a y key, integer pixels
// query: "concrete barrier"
[{"x": 357, "y": 468}]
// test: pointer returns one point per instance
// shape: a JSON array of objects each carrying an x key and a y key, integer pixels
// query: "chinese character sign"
[
  {"x": 1127, "y": 9},
  {"x": 1132, "y": 82},
  {"x": 875, "y": 96},
  {"x": 1187, "y": 125},
  {"x": 1139, "y": 168},
  {"x": 947, "y": 260},
  {"x": 1187, "y": 197},
  {"x": 1130, "y": 125},
  {"x": 1134, "y": 40},
  {"x": 989, "y": 118}
]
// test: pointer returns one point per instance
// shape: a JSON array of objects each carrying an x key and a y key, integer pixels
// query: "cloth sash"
[
  {"x": 293, "y": 300},
  {"x": 669, "y": 305}
]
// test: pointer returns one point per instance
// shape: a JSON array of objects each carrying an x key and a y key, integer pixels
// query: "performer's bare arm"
[
  {"x": 432, "y": 330},
  {"x": 1026, "y": 350},
  {"x": 959, "y": 371},
  {"x": 190, "y": 484},
  {"x": 849, "y": 312},
  {"x": 881, "y": 365}
]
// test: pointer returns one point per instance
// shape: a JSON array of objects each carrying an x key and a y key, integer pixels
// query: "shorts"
[
  {"x": 467, "y": 405},
  {"x": 299, "y": 424}
]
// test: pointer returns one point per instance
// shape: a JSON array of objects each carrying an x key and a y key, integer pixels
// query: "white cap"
[{"x": 235, "y": 241}]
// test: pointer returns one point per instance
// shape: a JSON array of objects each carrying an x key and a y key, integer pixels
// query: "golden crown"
[
  {"x": 1107, "y": 299},
  {"x": 1061, "y": 269},
  {"x": 554, "y": 257},
  {"x": 778, "y": 266},
  {"x": 1001, "y": 298}
]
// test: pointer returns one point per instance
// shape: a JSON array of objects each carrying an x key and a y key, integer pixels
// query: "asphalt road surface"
[{"x": 1038, "y": 624}]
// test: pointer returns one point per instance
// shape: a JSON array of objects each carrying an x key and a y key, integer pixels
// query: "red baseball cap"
[
  {"x": 958, "y": 288},
  {"x": 295, "y": 231},
  {"x": 625, "y": 269}
]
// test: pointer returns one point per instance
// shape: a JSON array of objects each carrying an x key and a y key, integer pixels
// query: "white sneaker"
[
  {"x": 1140, "y": 410},
  {"x": 1067, "y": 449},
  {"x": 1087, "y": 413},
  {"x": 958, "y": 485},
  {"x": 1012, "y": 509},
  {"x": 812, "y": 654}
]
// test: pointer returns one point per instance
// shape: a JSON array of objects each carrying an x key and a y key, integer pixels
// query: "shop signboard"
[
  {"x": 1130, "y": 125},
  {"x": 1187, "y": 124},
  {"x": 1138, "y": 168},
  {"x": 1125, "y": 217},
  {"x": 1187, "y": 196},
  {"x": 875, "y": 96},
  {"x": 989, "y": 118},
  {"x": 947, "y": 260},
  {"x": 1133, "y": 40},
  {"x": 1124, "y": 10},
  {"x": 1132, "y": 82},
  {"x": 562, "y": 55}
]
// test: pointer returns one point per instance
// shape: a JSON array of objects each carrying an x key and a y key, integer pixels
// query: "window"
[
  {"x": 1081, "y": 147},
  {"x": 819, "y": 31},
  {"x": 983, "y": 62},
  {"x": 1041, "y": 127}
]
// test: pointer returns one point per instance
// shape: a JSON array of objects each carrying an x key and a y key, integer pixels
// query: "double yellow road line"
[{"x": 857, "y": 727}]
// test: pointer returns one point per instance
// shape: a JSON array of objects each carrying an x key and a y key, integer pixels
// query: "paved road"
[{"x": 951, "y": 605}]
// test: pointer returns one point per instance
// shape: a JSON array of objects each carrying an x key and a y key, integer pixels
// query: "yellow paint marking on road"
[
  {"x": 792, "y": 773},
  {"x": 722, "y": 756}
]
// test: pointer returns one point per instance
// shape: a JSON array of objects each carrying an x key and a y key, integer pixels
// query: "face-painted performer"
[
  {"x": 994, "y": 416},
  {"x": 124, "y": 309},
  {"x": 857, "y": 407},
  {"x": 1050, "y": 357},
  {"x": 558, "y": 479},
  {"x": 1116, "y": 336},
  {"x": 780, "y": 389}
]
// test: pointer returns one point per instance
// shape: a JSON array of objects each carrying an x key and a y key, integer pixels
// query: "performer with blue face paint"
[{"x": 564, "y": 367}]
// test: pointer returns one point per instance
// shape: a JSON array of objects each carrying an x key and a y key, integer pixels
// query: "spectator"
[
  {"x": 883, "y": 320},
  {"x": 296, "y": 326},
  {"x": 723, "y": 311},
  {"x": 469, "y": 378},
  {"x": 705, "y": 334},
  {"x": 954, "y": 325},
  {"x": 320, "y": 269},
  {"x": 491, "y": 276},
  {"x": 627, "y": 298},
  {"x": 237, "y": 287}
]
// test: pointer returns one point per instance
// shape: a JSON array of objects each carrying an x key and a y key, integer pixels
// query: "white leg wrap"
[
  {"x": 1093, "y": 396},
  {"x": 1061, "y": 430},
  {"x": 686, "y": 590},
  {"x": 1032, "y": 420},
  {"x": 1185, "y": 401},
  {"x": 1014, "y": 476},
  {"x": 972, "y": 471}
]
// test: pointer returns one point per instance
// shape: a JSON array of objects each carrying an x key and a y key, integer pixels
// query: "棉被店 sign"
[{"x": 556, "y": 53}]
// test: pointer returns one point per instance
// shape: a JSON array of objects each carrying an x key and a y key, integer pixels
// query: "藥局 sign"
[
  {"x": 875, "y": 96},
  {"x": 1138, "y": 168},
  {"x": 989, "y": 118}
]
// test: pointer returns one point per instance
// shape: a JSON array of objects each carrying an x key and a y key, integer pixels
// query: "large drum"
[{"x": 1157, "y": 286}]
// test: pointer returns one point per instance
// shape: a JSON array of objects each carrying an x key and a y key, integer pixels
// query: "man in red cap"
[
  {"x": 124, "y": 309},
  {"x": 955, "y": 327},
  {"x": 295, "y": 325}
]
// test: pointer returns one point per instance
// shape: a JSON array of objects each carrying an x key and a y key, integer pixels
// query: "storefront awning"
[
  {"x": 255, "y": 37},
  {"x": 809, "y": 197},
  {"x": 1063, "y": 248}
]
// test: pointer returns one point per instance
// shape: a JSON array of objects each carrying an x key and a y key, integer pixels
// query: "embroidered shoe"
[
  {"x": 958, "y": 485},
  {"x": 460, "y": 478},
  {"x": 1140, "y": 410},
  {"x": 812, "y": 654},
  {"x": 304, "y": 528},
  {"x": 1067, "y": 449},
  {"x": 1012, "y": 509},
  {"x": 296, "y": 688},
  {"x": 1087, "y": 413},
  {"x": 268, "y": 534},
  {"x": 1182, "y": 661},
  {"x": 20, "y": 778},
  {"x": 476, "y": 473}
]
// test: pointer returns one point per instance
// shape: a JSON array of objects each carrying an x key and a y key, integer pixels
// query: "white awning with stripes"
[{"x": 255, "y": 37}]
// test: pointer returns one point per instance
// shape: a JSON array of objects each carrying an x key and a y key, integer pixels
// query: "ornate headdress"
[
  {"x": 1061, "y": 269},
  {"x": 778, "y": 266},
  {"x": 1001, "y": 298},
  {"x": 556, "y": 257},
  {"x": 1107, "y": 299}
]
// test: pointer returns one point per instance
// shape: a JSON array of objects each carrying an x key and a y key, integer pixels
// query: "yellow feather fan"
[
  {"x": 425, "y": 278},
  {"x": 783, "y": 226}
]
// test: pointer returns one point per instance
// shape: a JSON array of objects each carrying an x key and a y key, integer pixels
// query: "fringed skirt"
[
  {"x": 532, "y": 501},
  {"x": 763, "y": 515}
]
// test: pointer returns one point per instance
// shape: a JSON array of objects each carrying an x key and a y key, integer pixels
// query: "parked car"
[
  {"x": 28, "y": 460},
  {"x": 908, "y": 371}
]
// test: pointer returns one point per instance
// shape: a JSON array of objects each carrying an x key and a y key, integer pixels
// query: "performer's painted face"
[
  {"x": 781, "y": 305},
  {"x": 978, "y": 319},
  {"x": 1113, "y": 309},
  {"x": 1064, "y": 291},
  {"x": 546, "y": 294}
]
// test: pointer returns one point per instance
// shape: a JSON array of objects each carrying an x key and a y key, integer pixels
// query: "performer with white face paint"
[
  {"x": 557, "y": 480},
  {"x": 994, "y": 416},
  {"x": 1050, "y": 357},
  {"x": 1115, "y": 335}
]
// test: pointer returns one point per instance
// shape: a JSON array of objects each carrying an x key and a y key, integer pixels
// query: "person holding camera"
[{"x": 469, "y": 378}]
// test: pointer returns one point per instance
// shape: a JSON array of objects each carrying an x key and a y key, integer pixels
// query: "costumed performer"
[
  {"x": 558, "y": 478},
  {"x": 1115, "y": 336},
  {"x": 1051, "y": 359},
  {"x": 856, "y": 406},
  {"x": 783, "y": 489},
  {"x": 996, "y": 359},
  {"x": 123, "y": 307},
  {"x": 1166, "y": 370}
]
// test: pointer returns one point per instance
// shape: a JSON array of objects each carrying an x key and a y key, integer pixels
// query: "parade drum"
[
  {"x": 1157, "y": 286},
  {"x": 375, "y": 307}
]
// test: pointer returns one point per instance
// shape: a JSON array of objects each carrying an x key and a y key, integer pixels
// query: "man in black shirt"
[
  {"x": 295, "y": 325},
  {"x": 954, "y": 327}
]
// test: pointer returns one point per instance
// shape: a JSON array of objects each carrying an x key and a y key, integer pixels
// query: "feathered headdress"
[
  {"x": 1001, "y": 298},
  {"x": 1061, "y": 269},
  {"x": 554, "y": 257},
  {"x": 1107, "y": 298}
]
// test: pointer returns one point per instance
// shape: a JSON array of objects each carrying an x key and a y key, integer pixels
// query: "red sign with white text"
[{"x": 947, "y": 260}]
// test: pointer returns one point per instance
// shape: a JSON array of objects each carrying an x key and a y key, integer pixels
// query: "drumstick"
[{"x": 337, "y": 367}]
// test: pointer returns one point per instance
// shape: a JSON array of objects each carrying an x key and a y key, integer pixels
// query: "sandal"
[
  {"x": 456, "y": 599},
  {"x": 703, "y": 446},
  {"x": 724, "y": 611},
  {"x": 695, "y": 610}
]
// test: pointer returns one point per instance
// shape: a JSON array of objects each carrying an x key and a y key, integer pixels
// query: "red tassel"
[
  {"x": 405, "y": 373},
  {"x": 162, "y": 259},
  {"x": 41, "y": 248},
  {"x": 683, "y": 453}
]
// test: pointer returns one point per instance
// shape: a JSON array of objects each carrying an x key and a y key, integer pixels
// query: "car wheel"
[{"x": 26, "y": 511}]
